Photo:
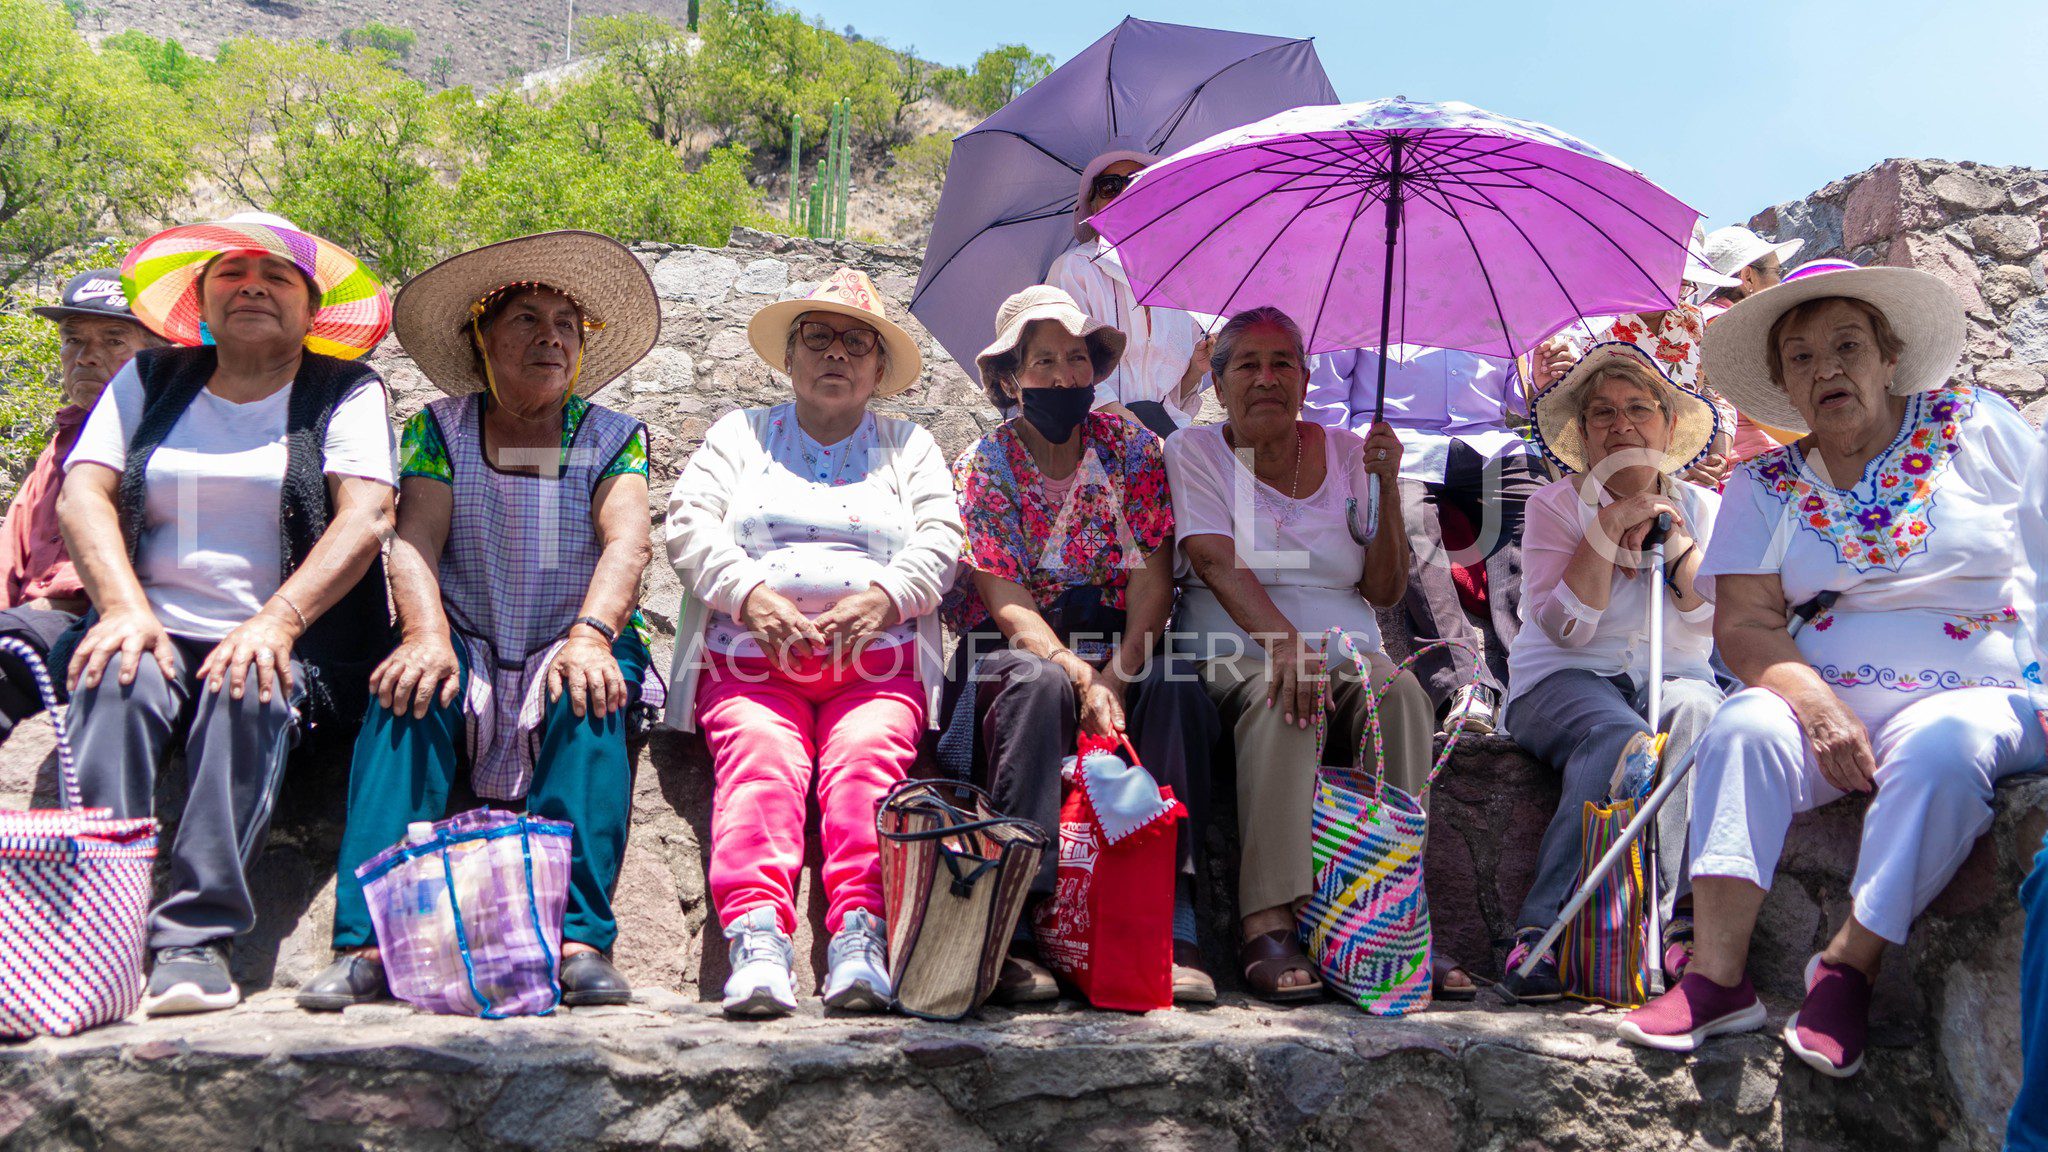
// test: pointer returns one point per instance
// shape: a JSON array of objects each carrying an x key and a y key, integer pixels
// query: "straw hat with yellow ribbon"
[
  {"x": 439, "y": 310},
  {"x": 846, "y": 292},
  {"x": 161, "y": 279}
]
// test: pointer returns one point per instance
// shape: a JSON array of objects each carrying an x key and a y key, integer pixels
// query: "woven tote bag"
[
  {"x": 955, "y": 873},
  {"x": 1603, "y": 955},
  {"x": 1366, "y": 925},
  {"x": 74, "y": 899}
]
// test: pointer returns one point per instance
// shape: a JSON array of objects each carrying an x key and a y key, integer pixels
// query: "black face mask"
[{"x": 1056, "y": 412}]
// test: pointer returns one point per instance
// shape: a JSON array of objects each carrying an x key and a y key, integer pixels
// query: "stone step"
[{"x": 669, "y": 1072}]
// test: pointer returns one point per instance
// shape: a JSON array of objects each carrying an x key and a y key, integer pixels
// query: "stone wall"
[{"x": 1976, "y": 226}]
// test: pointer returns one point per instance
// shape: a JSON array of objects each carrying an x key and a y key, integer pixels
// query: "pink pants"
[{"x": 771, "y": 733}]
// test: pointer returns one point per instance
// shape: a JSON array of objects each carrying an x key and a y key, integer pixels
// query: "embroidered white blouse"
[{"x": 1920, "y": 550}]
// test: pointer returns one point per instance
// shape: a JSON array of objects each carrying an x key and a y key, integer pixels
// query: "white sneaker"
[
  {"x": 761, "y": 954},
  {"x": 1472, "y": 709},
  {"x": 859, "y": 960}
]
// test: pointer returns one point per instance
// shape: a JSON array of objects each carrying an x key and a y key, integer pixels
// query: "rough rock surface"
[{"x": 1976, "y": 226}]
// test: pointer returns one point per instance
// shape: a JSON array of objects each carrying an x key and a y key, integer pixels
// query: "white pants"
[{"x": 1937, "y": 761}]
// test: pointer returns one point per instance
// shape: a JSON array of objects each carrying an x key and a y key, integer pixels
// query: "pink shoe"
[
  {"x": 1830, "y": 1030},
  {"x": 1682, "y": 1019}
]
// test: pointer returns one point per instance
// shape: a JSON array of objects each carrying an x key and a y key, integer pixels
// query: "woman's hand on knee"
[
  {"x": 1294, "y": 679},
  {"x": 421, "y": 674},
  {"x": 128, "y": 636},
  {"x": 586, "y": 669},
  {"x": 1840, "y": 742},
  {"x": 261, "y": 644}
]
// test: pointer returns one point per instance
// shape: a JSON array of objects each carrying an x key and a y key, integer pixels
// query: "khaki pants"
[{"x": 1276, "y": 769}]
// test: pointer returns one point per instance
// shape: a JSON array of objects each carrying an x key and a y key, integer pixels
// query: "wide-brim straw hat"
[
  {"x": 1698, "y": 270},
  {"x": 847, "y": 292},
  {"x": 1924, "y": 312},
  {"x": 1082, "y": 229},
  {"x": 1045, "y": 302},
  {"x": 1734, "y": 248},
  {"x": 161, "y": 279},
  {"x": 1557, "y": 411},
  {"x": 622, "y": 317}
]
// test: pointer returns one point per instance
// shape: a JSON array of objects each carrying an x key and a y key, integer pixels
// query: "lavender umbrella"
[
  {"x": 1007, "y": 207},
  {"x": 1502, "y": 231}
]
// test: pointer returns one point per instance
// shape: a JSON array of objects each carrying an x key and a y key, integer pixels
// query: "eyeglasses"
[
  {"x": 818, "y": 336},
  {"x": 1109, "y": 187},
  {"x": 1639, "y": 414}
]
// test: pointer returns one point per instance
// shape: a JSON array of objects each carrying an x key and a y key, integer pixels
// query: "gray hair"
[
  {"x": 1233, "y": 331},
  {"x": 789, "y": 344},
  {"x": 1632, "y": 372}
]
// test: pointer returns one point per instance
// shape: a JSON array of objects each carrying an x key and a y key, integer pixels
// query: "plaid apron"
[{"x": 520, "y": 556}]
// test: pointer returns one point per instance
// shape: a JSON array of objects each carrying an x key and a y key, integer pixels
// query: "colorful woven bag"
[
  {"x": 1602, "y": 955},
  {"x": 469, "y": 916},
  {"x": 1366, "y": 925},
  {"x": 74, "y": 899}
]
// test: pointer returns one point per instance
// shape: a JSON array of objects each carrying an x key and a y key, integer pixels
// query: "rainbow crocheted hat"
[{"x": 161, "y": 278}]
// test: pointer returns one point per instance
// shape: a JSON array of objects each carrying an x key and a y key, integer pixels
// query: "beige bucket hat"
[
  {"x": 1926, "y": 314},
  {"x": 1045, "y": 302},
  {"x": 1557, "y": 411},
  {"x": 621, "y": 315},
  {"x": 847, "y": 292}
]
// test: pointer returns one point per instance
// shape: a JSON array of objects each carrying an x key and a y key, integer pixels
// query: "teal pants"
[{"x": 404, "y": 769}]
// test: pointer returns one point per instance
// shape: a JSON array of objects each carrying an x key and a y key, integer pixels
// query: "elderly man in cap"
[{"x": 42, "y": 595}]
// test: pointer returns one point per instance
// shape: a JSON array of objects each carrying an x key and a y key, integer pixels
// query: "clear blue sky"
[{"x": 1732, "y": 106}]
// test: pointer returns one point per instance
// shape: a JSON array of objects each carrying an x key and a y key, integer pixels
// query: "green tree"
[
  {"x": 339, "y": 142},
  {"x": 87, "y": 142},
  {"x": 652, "y": 58},
  {"x": 378, "y": 37},
  {"x": 165, "y": 62},
  {"x": 999, "y": 75}
]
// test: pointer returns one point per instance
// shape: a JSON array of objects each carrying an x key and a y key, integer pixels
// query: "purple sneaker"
[
  {"x": 1829, "y": 1030},
  {"x": 1682, "y": 1019}
]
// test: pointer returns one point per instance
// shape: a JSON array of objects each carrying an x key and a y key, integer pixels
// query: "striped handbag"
[
  {"x": 1603, "y": 955},
  {"x": 74, "y": 895},
  {"x": 1367, "y": 923}
]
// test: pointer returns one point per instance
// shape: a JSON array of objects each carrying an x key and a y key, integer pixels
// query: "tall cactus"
[
  {"x": 796, "y": 152},
  {"x": 821, "y": 213},
  {"x": 845, "y": 162}
]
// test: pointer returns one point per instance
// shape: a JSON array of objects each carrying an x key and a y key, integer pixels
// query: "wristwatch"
[{"x": 610, "y": 634}]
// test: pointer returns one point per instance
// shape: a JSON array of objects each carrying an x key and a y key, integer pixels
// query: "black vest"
[{"x": 348, "y": 640}]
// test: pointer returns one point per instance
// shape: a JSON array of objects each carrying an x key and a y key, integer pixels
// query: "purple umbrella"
[
  {"x": 1502, "y": 231},
  {"x": 1007, "y": 208}
]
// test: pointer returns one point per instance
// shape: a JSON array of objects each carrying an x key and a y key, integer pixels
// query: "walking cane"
[
  {"x": 1659, "y": 532},
  {"x": 1511, "y": 986}
]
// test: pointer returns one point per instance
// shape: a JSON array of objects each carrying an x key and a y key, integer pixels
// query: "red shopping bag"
[{"x": 1108, "y": 927}]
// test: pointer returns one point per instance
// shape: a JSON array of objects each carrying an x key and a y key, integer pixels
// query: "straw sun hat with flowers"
[
  {"x": 845, "y": 293},
  {"x": 438, "y": 312},
  {"x": 1693, "y": 425},
  {"x": 1925, "y": 314}
]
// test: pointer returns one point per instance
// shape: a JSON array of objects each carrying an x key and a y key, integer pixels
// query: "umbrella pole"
[{"x": 1379, "y": 406}]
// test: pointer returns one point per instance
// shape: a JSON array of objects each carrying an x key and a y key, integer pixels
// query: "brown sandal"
[
  {"x": 1024, "y": 980},
  {"x": 1440, "y": 969},
  {"x": 1267, "y": 957}
]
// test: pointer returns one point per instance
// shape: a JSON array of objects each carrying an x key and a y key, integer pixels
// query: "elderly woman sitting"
[
  {"x": 814, "y": 540},
  {"x": 1889, "y": 528},
  {"x": 1273, "y": 555},
  {"x": 1580, "y": 665},
  {"x": 225, "y": 505},
  {"x": 1068, "y": 597},
  {"x": 522, "y": 534}
]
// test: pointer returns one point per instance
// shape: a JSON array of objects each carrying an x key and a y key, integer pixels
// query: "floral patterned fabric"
[
  {"x": 1115, "y": 515},
  {"x": 1918, "y": 550},
  {"x": 422, "y": 451}
]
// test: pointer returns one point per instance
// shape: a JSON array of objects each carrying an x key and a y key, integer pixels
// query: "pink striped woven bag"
[{"x": 74, "y": 894}]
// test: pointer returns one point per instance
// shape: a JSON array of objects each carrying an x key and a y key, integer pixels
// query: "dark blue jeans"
[{"x": 2027, "y": 1130}]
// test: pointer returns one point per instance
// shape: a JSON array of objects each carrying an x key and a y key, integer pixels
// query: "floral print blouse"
[
  {"x": 1115, "y": 515},
  {"x": 1918, "y": 551}
]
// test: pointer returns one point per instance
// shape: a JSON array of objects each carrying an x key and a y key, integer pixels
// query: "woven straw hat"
[
  {"x": 161, "y": 279},
  {"x": 1045, "y": 302},
  {"x": 621, "y": 315},
  {"x": 1734, "y": 248},
  {"x": 846, "y": 292},
  {"x": 1926, "y": 314},
  {"x": 1557, "y": 411}
]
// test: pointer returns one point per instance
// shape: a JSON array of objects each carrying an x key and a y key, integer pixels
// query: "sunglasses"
[
  {"x": 818, "y": 336},
  {"x": 1109, "y": 187}
]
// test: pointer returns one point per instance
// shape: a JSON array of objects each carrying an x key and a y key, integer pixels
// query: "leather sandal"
[
  {"x": 1192, "y": 983},
  {"x": 1440, "y": 969},
  {"x": 1024, "y": 980},
  {"x": 1267, "y": 957}
]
